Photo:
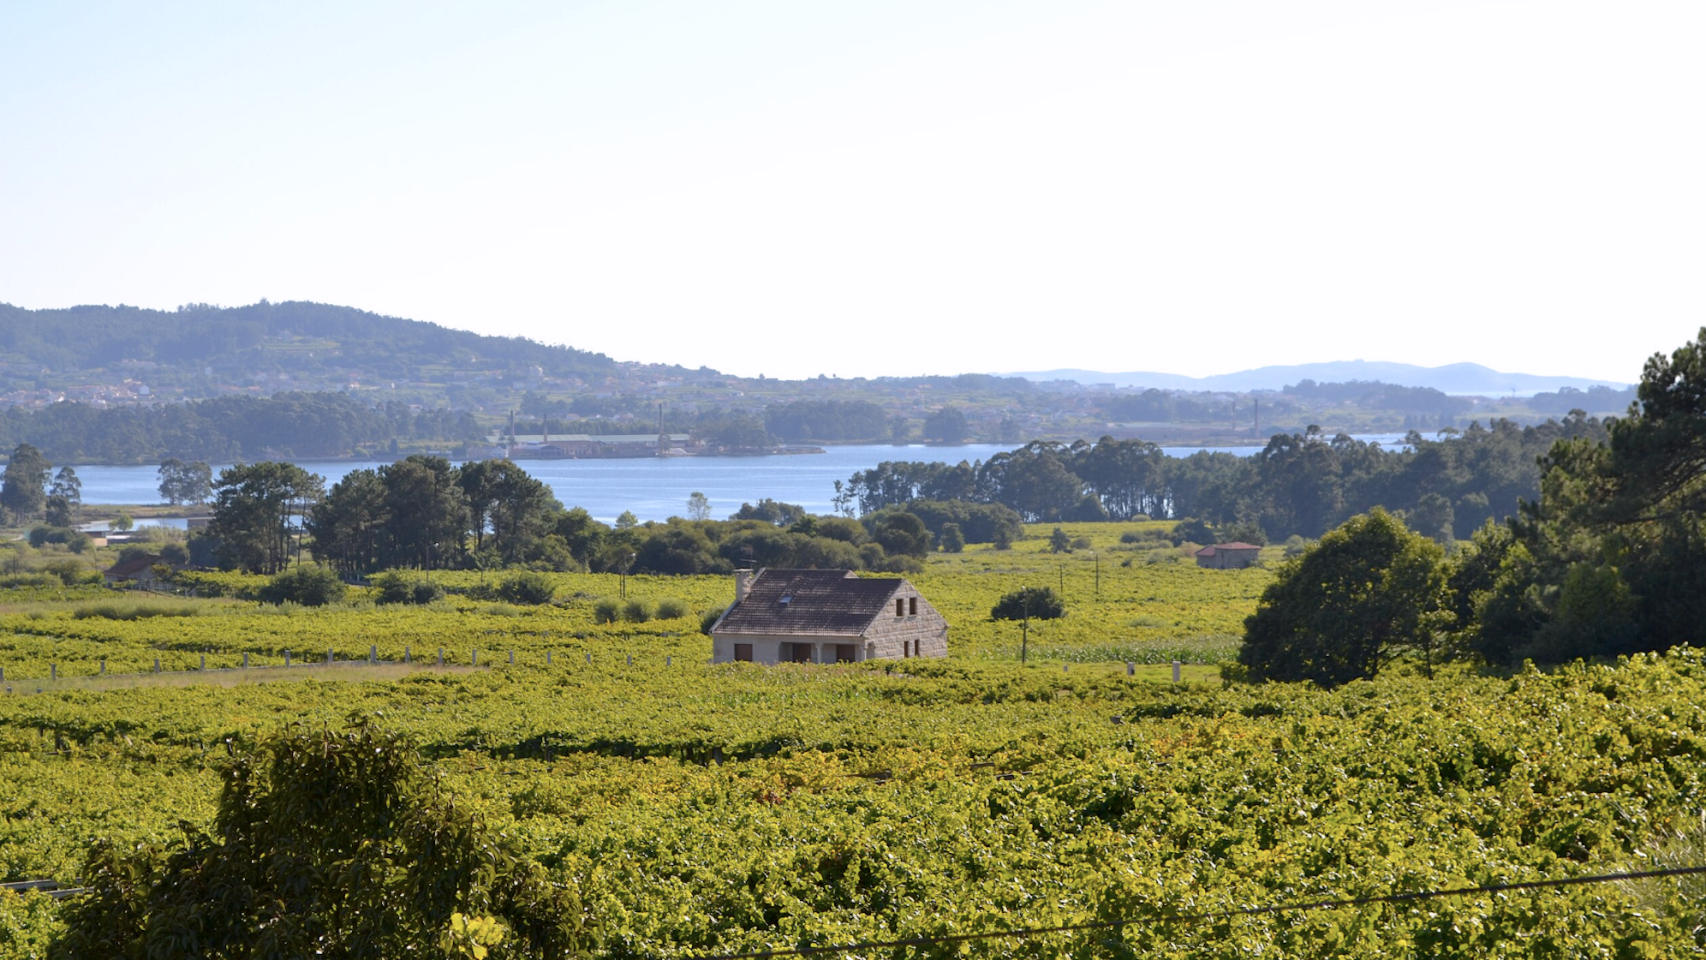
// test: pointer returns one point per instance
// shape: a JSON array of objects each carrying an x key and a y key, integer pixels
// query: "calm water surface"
[{"x": 653, "y": 488}]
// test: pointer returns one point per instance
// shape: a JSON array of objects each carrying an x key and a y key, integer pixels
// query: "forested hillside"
[
  {"x": 264, "y": 335},
  {"x": 303, "y": 425}
]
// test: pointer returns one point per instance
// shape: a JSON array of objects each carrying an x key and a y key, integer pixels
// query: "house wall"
[
  {"x": 1229, "y": 559},
  {"x": 889, "y": 637},
  {"x": 925, "y": 633}
]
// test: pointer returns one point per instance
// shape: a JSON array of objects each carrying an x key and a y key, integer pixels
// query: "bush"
[
  {"x": 1081, "y": 543},
  {"x": 393, "y": 587},
  {"x": 671, "y": 609},
  {"x": 76, "y": 540},
  {"x": 305, "y": 585},
  {"x": 1190, "y": 530},
  {"x": 1037, "y": 603},
  {"x": 69, "y": 572},
  {"x": 605, "y": 611},
  {"x": 636, "y": 611},
  {"x": 952, "y": 540},
  {"x": 527, "y": 588},
  {"x": 1059, "y": 542},
  {"x": 709, "y": 619}
]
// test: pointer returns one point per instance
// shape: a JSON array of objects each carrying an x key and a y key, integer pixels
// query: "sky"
[{"x": 883, "y": 188}]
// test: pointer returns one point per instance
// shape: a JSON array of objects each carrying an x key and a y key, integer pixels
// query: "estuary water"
[{"x": 654, "y": 488}]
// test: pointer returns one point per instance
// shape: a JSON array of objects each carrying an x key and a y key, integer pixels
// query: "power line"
[{"x": 1211, "y": 915}]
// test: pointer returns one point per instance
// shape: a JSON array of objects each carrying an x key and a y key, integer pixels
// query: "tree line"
[
  {"x": 1299, "y": 484},
  {"x": 1606, "y": 558},
  {"x": 425, "y": 513},
  {"x": 304, "y": 425}
]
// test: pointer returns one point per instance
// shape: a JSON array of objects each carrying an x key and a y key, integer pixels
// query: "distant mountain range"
[{"x": 1463, "y": 379}]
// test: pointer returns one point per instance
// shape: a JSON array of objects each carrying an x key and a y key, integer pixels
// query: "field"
[{"x": 701, "y": 809}]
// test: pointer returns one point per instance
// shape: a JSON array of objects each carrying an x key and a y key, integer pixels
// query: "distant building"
[
  {"x": 138, "y": 572},
  {"x": 1228, "y": 556},
  {"x": 826, "y": 616}
]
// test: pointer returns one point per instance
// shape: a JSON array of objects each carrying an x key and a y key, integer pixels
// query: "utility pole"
[{"x": 1025, "y": 630}]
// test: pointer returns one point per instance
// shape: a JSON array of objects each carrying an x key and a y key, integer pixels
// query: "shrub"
[
  {"x": 425, "y": 592},
  {"x": 527, "y": 588},
  {"x": 1191, "y": 530},
  {"x": 605, "y": 611},
  {"x": 1131, "y": 536},
  {"x": 1037, "y": 603},
  {"x": 391, "y": 587},
  {"x": 1081, "y": 543},
  {"x": 305, "y": 585},
  {"x": 671, "y": 608},
  {"x": 709, "y": 619},
  {"x": 69, "y": 572},
  {"x": 952, "y": 540},
  {"x": 1059, "y": 542},
  {"x": 636, "y": 611}
]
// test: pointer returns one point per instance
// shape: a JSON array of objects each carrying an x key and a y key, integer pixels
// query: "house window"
[
  {"x": 906, "y": 648},
  {"x": 899, "y": 607},
  {"x": 912, "y": 605},
  {"x": 743, "y": 652}
]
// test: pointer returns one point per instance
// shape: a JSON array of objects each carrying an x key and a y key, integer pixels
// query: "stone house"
[
  {"x": 1228, "y": 556},
  {"x": 137, "y": 572},
  {"x": 826, "y": 616}
]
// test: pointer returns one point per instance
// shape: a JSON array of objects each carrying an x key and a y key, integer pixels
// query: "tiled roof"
[
  {"x": 1237, "y": 545},
  {"x": 130, "y": 568},
  {"x": 815, "y": 602}
]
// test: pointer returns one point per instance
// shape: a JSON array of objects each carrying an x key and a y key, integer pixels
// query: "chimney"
[{"x": 743, "y": 584}]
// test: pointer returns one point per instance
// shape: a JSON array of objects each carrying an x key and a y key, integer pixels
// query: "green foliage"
[
  {"x": 527, "y": 588},
  {"x": 74, "y": 540},
  {"x": 709, "y": 619},
  {"x": 23, "y": 489},
  {"x": 606, "y": 611},
  {"x": 254, "y": 508},
  {"x": 182, "y": 482},
  {"x": 636, "y": 611},
  {"x": 394, "y": 587},
  {"x": 1362, "y": 595},
  {"x": 1059, "y": 542},
  {"x": 951, "y": 539},
  {"x": 1192, "y": 530},
  {"x": 308, "y": 586},
  {"x": 1029, "y": 603},
  {"x": 671, "y": 608},
  {"x": 324, "y": 844}
]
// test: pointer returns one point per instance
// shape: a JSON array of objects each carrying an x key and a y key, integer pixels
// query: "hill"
[
  {"x": 313, "y": 341},
  {"x": 1462, "y": 379}
]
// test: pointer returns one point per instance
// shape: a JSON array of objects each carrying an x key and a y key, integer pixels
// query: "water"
[{"x": 653, "y": 488}]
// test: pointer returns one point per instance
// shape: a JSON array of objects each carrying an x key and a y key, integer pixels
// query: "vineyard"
[{"x": 697, "y": 809}]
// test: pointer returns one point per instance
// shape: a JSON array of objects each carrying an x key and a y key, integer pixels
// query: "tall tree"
[
  {"x": 23, "y": 492},
  {"x": 349, "y": 525},
  {"x": 428, "y": 513},
  {"x": 67, "y": 484},
  {"x": 1368, "y": 591},
  {"x": 509, "y": 504},
  {"x": 254, "y": 505},
  {"x": 182, "y": 482}
]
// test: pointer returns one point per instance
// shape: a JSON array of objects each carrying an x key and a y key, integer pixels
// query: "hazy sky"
[{"x": 795, "y": 187}]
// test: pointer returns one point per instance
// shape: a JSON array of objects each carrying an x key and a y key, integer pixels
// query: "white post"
[
  {"x": 331, "y": 656},
  {"x": 372, "y": 653},
  {"x": 405, "y": 653},
  {"x": 286, "y": 660},
  {"x": 1130, "y": 669},
  {"x": 103, "y": 666},
  {"x": 245, "y": 660},
  {"x": 1175, "y": 671},
  {"x": 204, "y": 661},
  {"x": 589, "y": 658},
  {"x": 630, "y": 659},
  {"x": 53, "y": 671},
  {"x": 474, "y": 657},
  {"x": 547, "y": 658},
  {"x": 512, "y": 658},
  {"x": 441, "y": 656}
]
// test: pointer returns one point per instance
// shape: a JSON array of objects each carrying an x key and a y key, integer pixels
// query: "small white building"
[{"x": 826, "y": 616}]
